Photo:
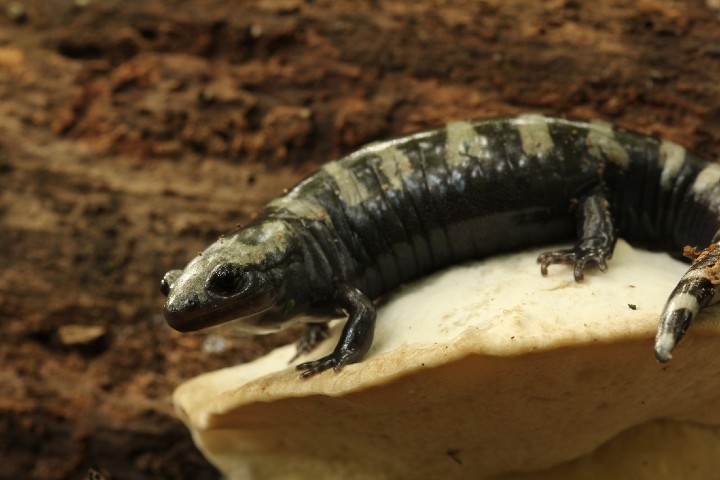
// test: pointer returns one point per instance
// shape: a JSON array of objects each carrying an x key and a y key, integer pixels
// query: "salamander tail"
[
  {"x": 673, "y": 326},
  {"x": 695, "y": 290}
]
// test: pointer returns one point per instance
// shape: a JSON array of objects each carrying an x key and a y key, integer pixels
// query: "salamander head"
[{"x": 239, "y": 278}]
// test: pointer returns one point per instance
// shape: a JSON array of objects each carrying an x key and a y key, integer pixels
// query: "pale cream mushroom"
[{"x": 484, "y": 370}]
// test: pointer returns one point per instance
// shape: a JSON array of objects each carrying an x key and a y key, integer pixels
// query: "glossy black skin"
[{"x": 380, "y": 226}]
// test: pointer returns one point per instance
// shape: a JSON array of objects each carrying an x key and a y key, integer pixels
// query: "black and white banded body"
[{"x": 399, "y": 209}]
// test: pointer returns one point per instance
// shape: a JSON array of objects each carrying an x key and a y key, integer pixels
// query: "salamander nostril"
[
  {"x": 192, "y": 302},
  {"x": 226, "y": 280}
]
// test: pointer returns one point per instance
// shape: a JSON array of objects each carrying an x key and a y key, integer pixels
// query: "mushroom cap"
[{"x": 482, "y": 370}]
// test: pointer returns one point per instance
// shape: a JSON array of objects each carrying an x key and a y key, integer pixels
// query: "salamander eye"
[
  {"x": 226, "y": 280},
  {"x": 168, "y": 281}
]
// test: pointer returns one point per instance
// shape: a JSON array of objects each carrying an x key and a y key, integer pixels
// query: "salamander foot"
[
  {"x": 579, "y": 256},
  {"x": 335, "y": 360}
]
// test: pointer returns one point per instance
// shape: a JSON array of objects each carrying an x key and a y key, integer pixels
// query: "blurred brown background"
[{"x": 134, "y": 132}]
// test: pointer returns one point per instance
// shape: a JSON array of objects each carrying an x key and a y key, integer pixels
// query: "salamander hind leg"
[
  {"x": 695, "y": 290},
  {"x": 597, "y": 237},
  {"x": 356, "y": 337}
]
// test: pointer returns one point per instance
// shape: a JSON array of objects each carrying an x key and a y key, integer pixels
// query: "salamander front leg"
[
  {"x": 316, "y": 333},
  {"x": 596, "y": 233},
  {"x": 356, "y": 337},
  {"x": 696, "y": 289}
]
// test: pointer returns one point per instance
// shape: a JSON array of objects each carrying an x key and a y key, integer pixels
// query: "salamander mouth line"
[
  {"x": 210, "y": 317},
  {"x": 240, "y": 326}
]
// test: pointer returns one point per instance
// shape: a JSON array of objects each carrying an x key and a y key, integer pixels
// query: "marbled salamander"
[{"x": 399, "y": 209}]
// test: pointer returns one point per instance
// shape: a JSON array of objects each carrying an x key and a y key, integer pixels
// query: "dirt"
[{"x": 134, "y": 132}]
